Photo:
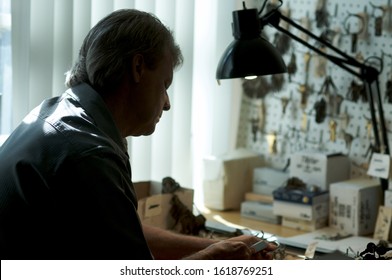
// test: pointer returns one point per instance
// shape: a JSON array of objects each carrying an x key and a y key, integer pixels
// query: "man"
[{"x": 65, "y": 179}]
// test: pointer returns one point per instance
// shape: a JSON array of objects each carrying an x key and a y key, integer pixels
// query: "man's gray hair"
[{"x": 107, "y": 51}]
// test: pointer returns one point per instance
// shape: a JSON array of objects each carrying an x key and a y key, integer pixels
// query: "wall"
[{"x": 297, "y": 126}]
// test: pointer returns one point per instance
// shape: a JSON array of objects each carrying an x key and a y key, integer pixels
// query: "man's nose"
[{"x": 166, "y": 107}]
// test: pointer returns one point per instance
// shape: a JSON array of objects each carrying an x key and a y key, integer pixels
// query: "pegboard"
[{"x": 278, "y": 115}]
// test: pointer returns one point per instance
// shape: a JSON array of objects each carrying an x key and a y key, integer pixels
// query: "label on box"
[
  {"x": 312, "y": 164},
  {"x": 153, "y": 206},
  {"x": 388, "y": 198},
  {"x": 383, "y": 225},
  {"x": 379, "y": 166}
]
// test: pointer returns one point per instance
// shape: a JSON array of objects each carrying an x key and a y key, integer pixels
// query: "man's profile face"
[{"x": 151, "y": 98}]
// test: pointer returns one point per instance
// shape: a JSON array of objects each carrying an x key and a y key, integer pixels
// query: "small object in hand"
[{"x": 259, "y": 246}]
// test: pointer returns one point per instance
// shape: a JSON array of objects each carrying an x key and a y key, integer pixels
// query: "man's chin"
[
  {"x": 144, "y": 132},
  {"x": 148, "y": 133}
]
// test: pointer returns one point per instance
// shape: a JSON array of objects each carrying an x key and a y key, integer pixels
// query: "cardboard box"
[
  {"x": 354, "y": 205},
  {"x": 320, "y": 169},
  {"x": 259, "y": 211},
  {"x": 250, "y": 196},
  {"x": 154, "y": 207},
  {"x": 266, "y": 180},
  {"x": 228, "y": 178},
  {"x": 300, "y": 196},
  {"x": 301, "y": 211},
  {"x": 383, "y": 228},
  {"x": 305, "y": 225}
]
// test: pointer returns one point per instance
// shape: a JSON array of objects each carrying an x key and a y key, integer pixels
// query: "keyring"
[
  {"x": 346, "y": 23},
  {"x": 378, "y": 18},
  {"x": 354, "y": 35}
]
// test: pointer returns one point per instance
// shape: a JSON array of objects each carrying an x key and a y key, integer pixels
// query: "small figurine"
[{"x": 376, "y": 252}]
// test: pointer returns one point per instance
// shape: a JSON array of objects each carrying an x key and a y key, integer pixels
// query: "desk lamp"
[{"x": 250, "y": 55}]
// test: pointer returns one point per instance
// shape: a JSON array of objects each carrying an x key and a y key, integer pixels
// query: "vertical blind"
[
  {"x": 47, "y": 35},
  {"x": 5, "y": 67}
]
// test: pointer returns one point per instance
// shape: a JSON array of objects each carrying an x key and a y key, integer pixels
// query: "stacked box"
[
  {"x": 354, "y": 205},
  {"x": 154, "y": 206},
  {"x": 320, "y": 169},
  {"x": 264, "y": 198},
  {"x": 259, "y": 211},
  {"x": 258, "y": 202},
  {"x": 301, "y": 196},
  {"x": 301, "y": 209},
  {"x": 304, "y": 225},
  {"x": 266, "y": 180},
  {"x": 228, "y": 177}
]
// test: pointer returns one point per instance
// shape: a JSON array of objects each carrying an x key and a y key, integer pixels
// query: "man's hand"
[
  {"x": 236, "y": 248},
  {"x": 249, "y": 240}
]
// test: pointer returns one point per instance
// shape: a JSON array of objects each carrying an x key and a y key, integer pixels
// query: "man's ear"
[{"x": 137, "y": 67}]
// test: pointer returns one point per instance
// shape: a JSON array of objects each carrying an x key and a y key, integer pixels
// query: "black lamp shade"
[{"x": 249, "y": 54}]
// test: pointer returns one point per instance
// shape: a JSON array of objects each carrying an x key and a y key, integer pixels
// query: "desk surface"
[{"x": 234, "y": 219}]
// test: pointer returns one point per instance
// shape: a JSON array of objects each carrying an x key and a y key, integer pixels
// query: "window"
[
  {"x": 5, "y": 66},
  {"x": 43, "y": 48}
]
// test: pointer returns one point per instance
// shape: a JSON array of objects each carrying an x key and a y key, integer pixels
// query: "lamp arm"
[
  {"x": 336, "y": 60},
  {"x": 344, "y": 61},
  {"x": 384, "y": 134}
]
